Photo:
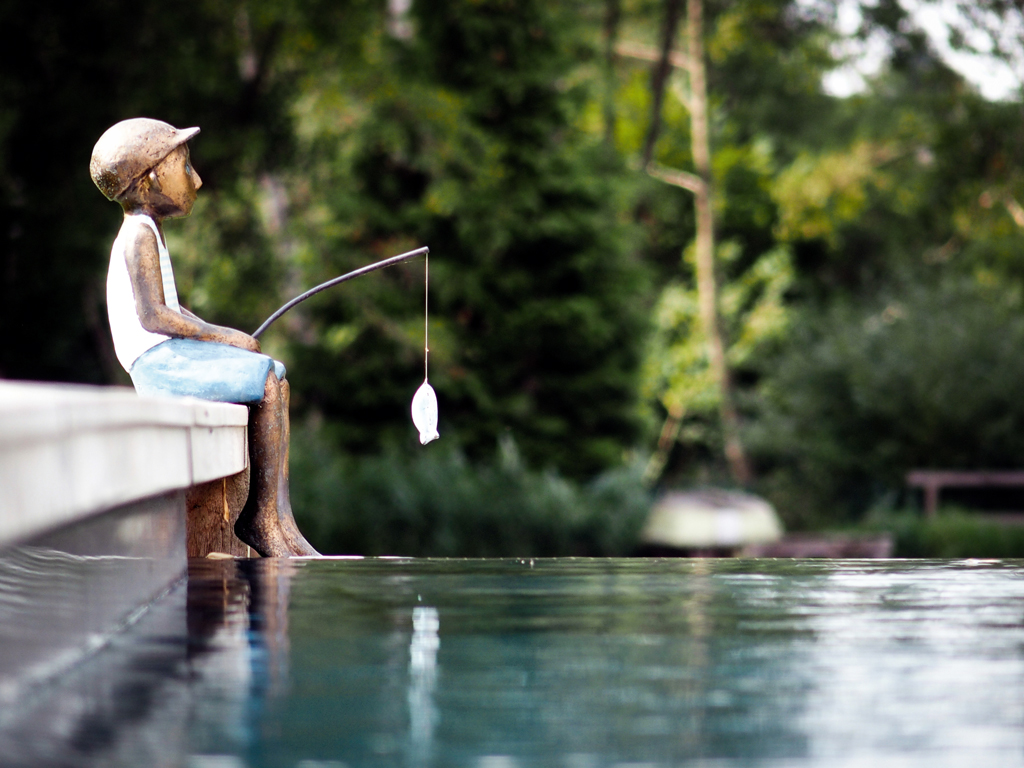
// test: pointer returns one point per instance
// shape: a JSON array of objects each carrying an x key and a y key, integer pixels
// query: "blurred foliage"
[
  {"x": 465, "y": 141},
  {"x": 952, "y": 533},
  {"x": 928, "y": 377},
  {"x": 869, "y": 256},
  {"x": 893, "y": 323},
  {"x": 440, "y": 505},
  {"x": 754, "y": 311}
]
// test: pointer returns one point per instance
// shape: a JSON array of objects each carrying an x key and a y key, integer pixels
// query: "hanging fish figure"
[
  {"x": 424, "y": 413},
  {"x": 424, "y": 402}
]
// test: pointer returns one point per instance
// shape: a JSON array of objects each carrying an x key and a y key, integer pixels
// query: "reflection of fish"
[{"x": 424, "y": 413}]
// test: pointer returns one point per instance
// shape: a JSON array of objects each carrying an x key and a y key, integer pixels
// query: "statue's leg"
[
  {"x": 297, "y": 542},
  {"x": 258, "y": 524}
]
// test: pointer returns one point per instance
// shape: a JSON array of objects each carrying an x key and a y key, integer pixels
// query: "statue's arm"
[{"x": 143, "y": 259}]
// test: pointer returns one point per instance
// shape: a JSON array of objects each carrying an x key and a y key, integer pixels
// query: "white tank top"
[{"x": 130, "y": 338}]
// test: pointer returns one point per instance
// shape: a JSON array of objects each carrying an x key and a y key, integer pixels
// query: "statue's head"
[{"x": 130, "y": 149}]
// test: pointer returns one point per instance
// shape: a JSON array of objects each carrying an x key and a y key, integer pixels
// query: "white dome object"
[
  {"x": 424, "y": 413},
  {"x": 711, "y": 518}
]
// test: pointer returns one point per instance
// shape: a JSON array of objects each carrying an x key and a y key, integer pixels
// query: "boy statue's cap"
[{"x": 128, "y": 149}]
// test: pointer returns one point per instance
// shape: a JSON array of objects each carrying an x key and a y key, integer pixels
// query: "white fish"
[{"x": 424, "y": 413}]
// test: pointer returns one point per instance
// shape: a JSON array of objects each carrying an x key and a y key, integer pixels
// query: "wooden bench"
[{"x": 933, "y": 480}]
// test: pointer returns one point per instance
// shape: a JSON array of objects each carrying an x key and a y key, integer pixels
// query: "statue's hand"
[
  {"x": 238, "y": 339},
  {"x": 245, "y": 341}
]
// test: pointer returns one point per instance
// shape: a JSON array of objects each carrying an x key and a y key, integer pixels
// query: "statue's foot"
[
  {"x": 299, "y": 546},
  {"x": 264, "y": 535}
]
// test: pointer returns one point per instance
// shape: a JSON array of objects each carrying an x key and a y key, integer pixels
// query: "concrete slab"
[
  {"x": 69, "y": 452},
  {"x": 93, "y": 514}
]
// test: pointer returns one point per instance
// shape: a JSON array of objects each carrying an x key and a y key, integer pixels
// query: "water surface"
[{"x": 576, "y": 663}]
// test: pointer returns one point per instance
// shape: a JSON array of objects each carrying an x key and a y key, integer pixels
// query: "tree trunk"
[
  {"x": 707, "y": 289},
  {"x": 613, "y": 12},
  {"x": 666, "y": 440},
  {"x": 659, "y": 77}
]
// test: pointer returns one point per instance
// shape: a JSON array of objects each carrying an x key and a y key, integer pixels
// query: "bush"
[
  {"x": 952, "y": 533},
  {"x": 439, "y": 505},
  {"x": 862, "y": 395}
]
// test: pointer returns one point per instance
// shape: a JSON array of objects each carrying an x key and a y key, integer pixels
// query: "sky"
[{"x": 993, "y": 77}]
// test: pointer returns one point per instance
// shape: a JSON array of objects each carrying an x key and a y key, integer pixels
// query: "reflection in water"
[
  {"x": 218, "y": 658},
  {"x": 422, "y": 678},
  {"x": 582, "y": 663},
  {"x": 183, "y": 684},
  {"x": 237, "y": 652}
]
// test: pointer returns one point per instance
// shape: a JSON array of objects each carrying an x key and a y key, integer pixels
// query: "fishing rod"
[{"x": 336, "y": 281}]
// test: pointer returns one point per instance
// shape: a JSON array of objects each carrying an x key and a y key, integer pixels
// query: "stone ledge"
[{"x": 68, "y": 452}]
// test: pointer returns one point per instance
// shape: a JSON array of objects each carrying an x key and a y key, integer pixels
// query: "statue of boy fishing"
[{"x": 144, "y": 165}]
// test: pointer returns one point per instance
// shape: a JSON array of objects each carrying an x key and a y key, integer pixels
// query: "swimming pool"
[{"x": 567, "y": 662}]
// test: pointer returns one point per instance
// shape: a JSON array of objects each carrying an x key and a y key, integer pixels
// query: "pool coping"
[{"x": 68, "y": 452}]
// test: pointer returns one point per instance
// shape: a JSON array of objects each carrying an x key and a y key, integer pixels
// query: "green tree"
[
  {"x": 906, "y": 229},
  {"x": 467, "y": 143},
  {"x": 760, "y": 55}
]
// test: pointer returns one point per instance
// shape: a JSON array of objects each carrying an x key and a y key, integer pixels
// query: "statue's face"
[{"x": 176, "y": 184}]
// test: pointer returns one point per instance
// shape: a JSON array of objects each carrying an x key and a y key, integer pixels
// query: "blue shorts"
[{"x": 204, "y": 369}]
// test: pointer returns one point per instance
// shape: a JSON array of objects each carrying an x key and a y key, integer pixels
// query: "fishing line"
[{"x": 426, "y": 313}]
